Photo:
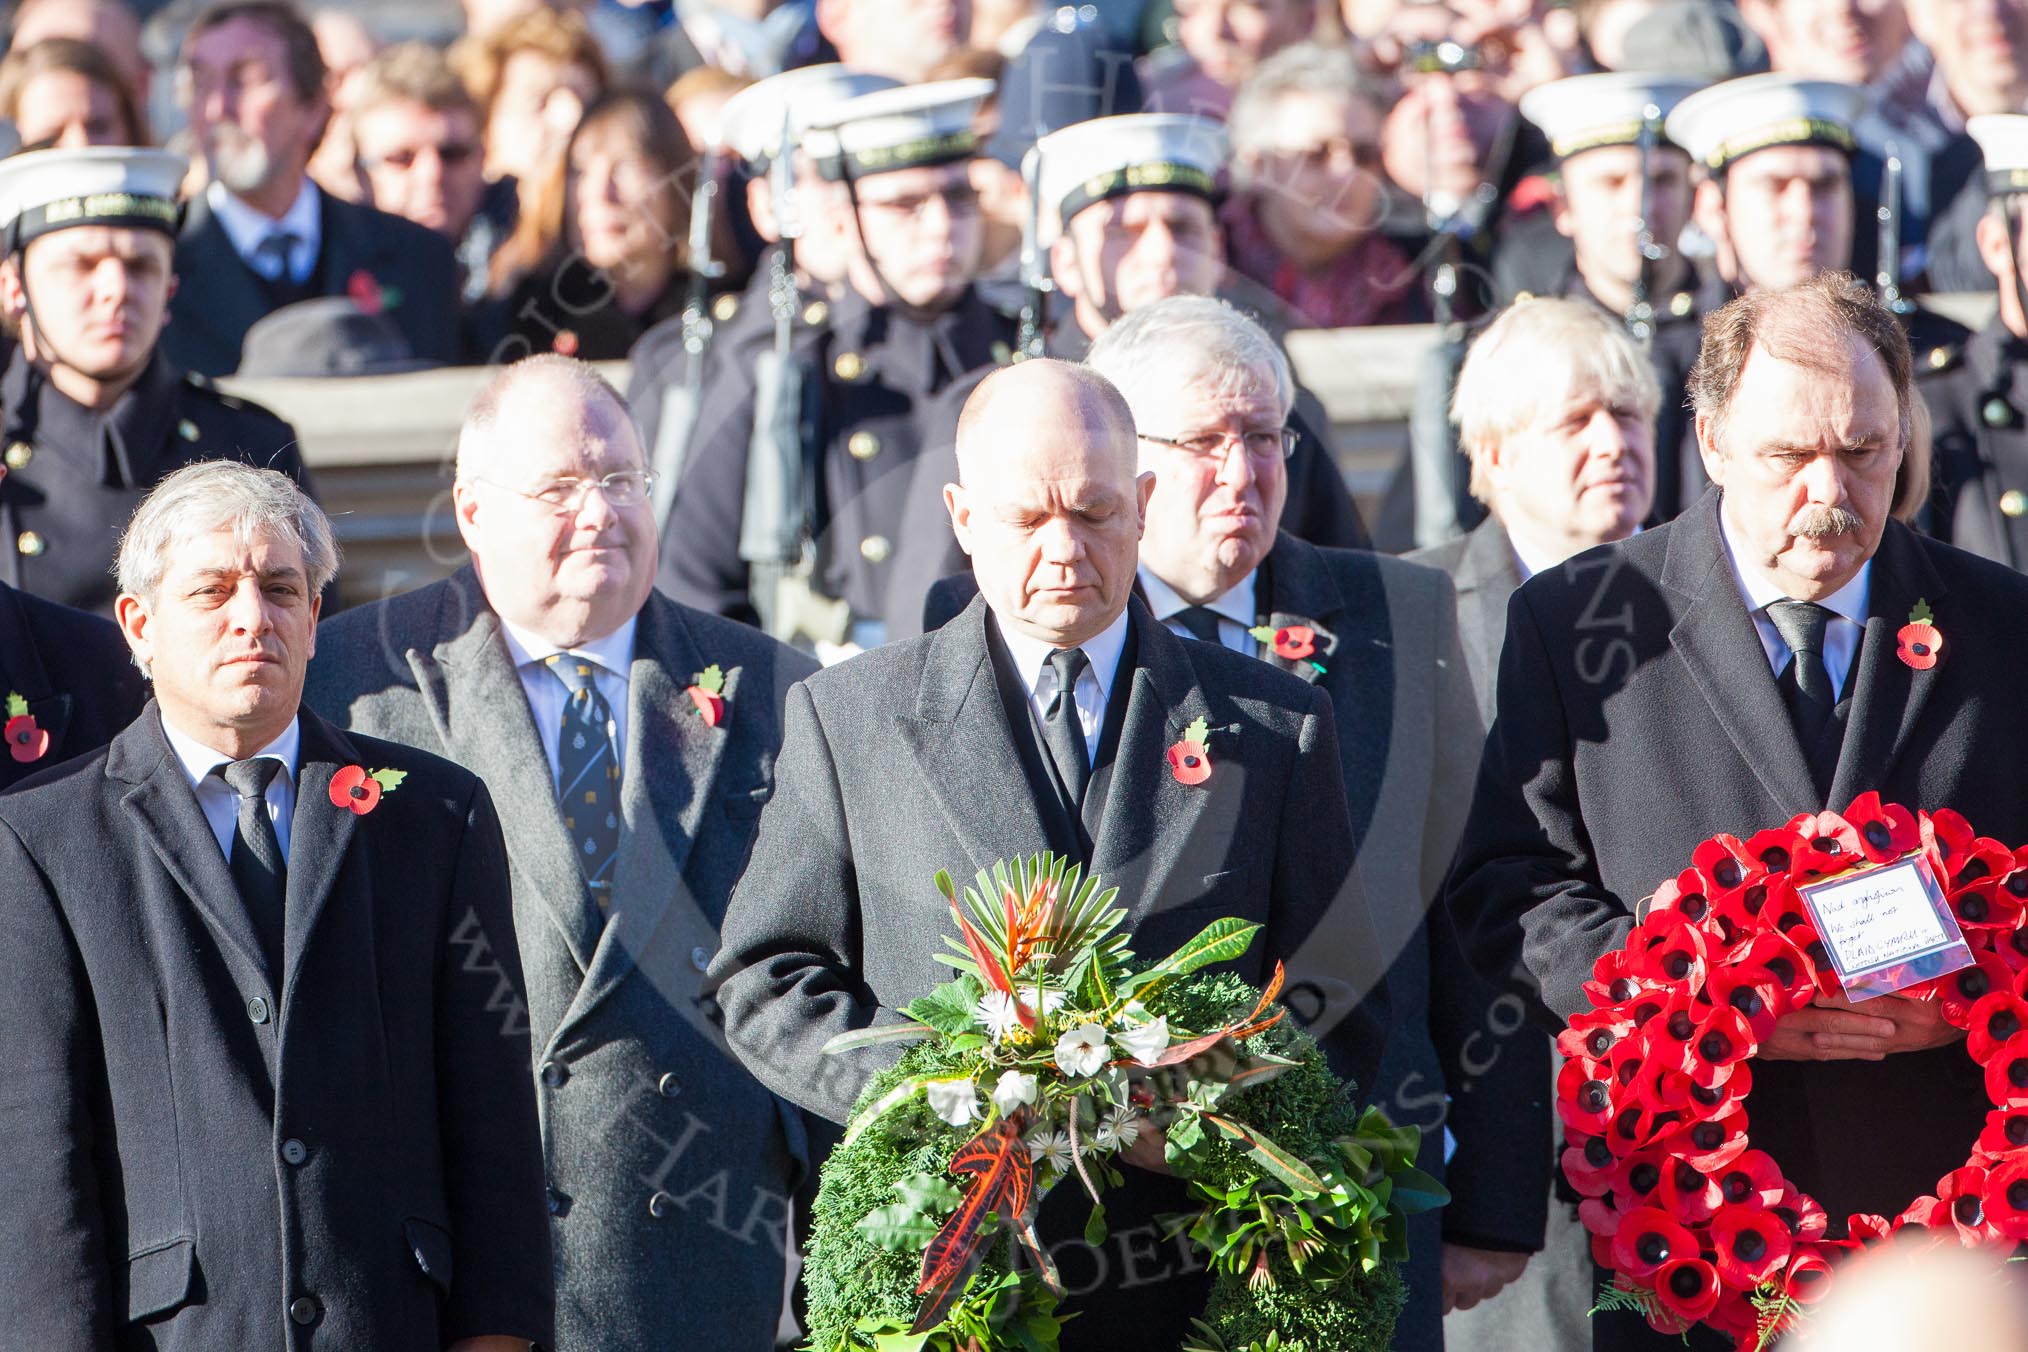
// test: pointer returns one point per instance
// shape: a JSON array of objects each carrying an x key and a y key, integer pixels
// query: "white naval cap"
[
  {"x": 1107, "y": 157},
  {"x": 1585, "y": 112},
  {"x": 750, "y": 126},
  {"x": 1720, "y": 124},
  {"x": 45, "y": 190},
  {"x": 911, "y": 127},
  {"x": 2003, "y": 141}
]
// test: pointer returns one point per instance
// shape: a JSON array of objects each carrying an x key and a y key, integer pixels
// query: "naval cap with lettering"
[
  {"x": 1107, "y": 157},
  {"x": 751, "y": 124},
  {"x": 47, "y": 190}
]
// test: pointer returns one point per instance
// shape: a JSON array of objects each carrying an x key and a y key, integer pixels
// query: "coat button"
[
  {"x": 19, "y": 453},
  {"x": 257, "y": 1009},
  {"x": 1939, "y": 357},
  {"x": 1680, "y": 303},
  {"x": 875, "y": 549},
  {"x": 187, "y": 430},
  {"x": 700, "y": 957},
  {"x": 29, "y": 543},
  {"x": 294, "y": 1151},
  {"x": 725, "y": 307},
  {"x": 863, "y": 445},
  {"x": 849, "y": 366},
  {"x": 669, "y": 1086},
  {"x": 554, "y": 1073},
  {"x": 659, "y": 1204},
  {"x": 815, "y": 313},
  {"x": 303, "y": 1310},
  {"x": 2013, "y": 502}
]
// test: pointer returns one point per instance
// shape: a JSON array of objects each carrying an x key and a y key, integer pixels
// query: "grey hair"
[
  {"x": 1189, "y": 340},
  {"x": 568, "y": 375},
  {"x": 1304, "y": 68},
  {"x": 1535, "y": 352},
  {"x": 213, "y": 495}
]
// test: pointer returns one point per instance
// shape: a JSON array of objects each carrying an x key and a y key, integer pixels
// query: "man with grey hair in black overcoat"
[
  {"x": 1039, "y": 719},
  {"x": 262, "y": 1090}
]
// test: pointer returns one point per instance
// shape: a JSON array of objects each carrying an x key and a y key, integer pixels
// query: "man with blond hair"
[{"x": 265, "y": 1087}]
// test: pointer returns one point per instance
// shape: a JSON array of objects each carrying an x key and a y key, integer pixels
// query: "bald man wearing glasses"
[{"x": 628, "y": 743}]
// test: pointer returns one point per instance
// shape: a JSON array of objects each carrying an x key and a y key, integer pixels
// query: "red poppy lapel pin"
[
  {"x": 707, "y": 692},
  {"x": 369, "y": 295},
  {"x": 1291, "y": 643},
  {"x": 27, "y": 741},
  {"x": 1188, "y": 759},
  {"x": 1919, "y": 643},
  {"x": 358, "y": 789}
]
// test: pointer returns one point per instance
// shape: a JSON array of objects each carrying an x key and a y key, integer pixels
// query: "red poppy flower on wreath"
[
  {"x": 1189, "y": 761},
  {"x": 1695, "y": 1224},
  {"x": 1918, "y": 643},
  {"x": 564, "y": 343},
  {"x": 27, "y": 741},
  {"x": 358, "y": 791},
  {"x": 707, "y": 692}
]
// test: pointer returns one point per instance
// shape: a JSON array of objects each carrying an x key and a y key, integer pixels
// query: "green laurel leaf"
[{"x": 389, "y": 780}]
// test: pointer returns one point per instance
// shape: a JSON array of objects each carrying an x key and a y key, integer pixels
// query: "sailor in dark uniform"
[
  {"x": 667, "y": 363},
  {"x": 1979, "y": 409},
  {"x": 91, "y": 415},
  {"x": 790, "y": 505}
]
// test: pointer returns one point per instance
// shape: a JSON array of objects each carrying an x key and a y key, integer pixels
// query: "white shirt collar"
[
  {"x": 246, "y": 226},
  {"x": 1236, "y": 605},
  {"x": 1848, "y": 602},
  {"x": 1102, "y": 651},
  {"x": 199, "y": 760},
  {"x": 614, "y": 653}
]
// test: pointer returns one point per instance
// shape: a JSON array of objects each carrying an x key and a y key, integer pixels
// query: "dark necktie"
[
  {"x": 1063, "y": 731},
  {"x": 272, "y": 256},
  {"x": 1806, "y": 682},
  {"x": 1200, "y": 622},
  {"x": 588, "y": 779},
  {"x": 256, "y": 863}
]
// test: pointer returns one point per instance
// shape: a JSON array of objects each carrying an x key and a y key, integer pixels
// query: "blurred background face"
[
  {"x": 96, "y": 297},
  {"x": 623, "y": 203},
  {"x": 66, "y": 109},
  {"x": 1316, "y": 178},
  {"x": 1849, "y": 40},
  {"x": 567, "y": 572},
  {"x": 422, "y": 163},
  {"x": 535, "y": 109},
  {"x": 1440, "y": 132},
  {"x": 904, "y": 39},
  {"x": 108, "y": 25},
  {"x": 256, "y": 128},
  {"x": 1123, "y": 253},
  {"x": 1581, "y": 472},
  {"x": 1228, "y": 38},
  {"x": 1786, "y": 215},
  {"x": 1599, "y": 209},
  {"x": 1981, "y": 48},
  {"x": 922, "y": 230},
  {"x": 1051, "y": 514},
  {"x": 1215, "y": 507}
]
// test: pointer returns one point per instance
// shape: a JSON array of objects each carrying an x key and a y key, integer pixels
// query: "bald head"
[
  {"x": 552, "y": 501},
  {"x": 1048, "y": 502}
]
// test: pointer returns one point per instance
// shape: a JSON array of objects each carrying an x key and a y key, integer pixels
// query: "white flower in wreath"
[
  {"x": 1014, "y": 1089},
  {"x": 1081, "y": 1051},
  {"x": 955, "y": 1101},
  {"x": 1048, "y": 1148},
  {"x": 996, "y": 1013},
  {"x": 1120, "y": 1129},
  {"x": 1147, "y": 1042}
]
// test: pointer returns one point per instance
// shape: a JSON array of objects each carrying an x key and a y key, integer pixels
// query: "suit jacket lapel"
[
  {"x": 1148, "y": 813},
  {"x": 958, "y": 733},
  {"x": 481, "y": 715},
  {"x": 669, "y": 774},
  {"x": 1888, "y": 695},
  {"x": 1721, "y": 649},
  {"x": 22, "y": 673},
  {"x": 164, "y": 807},
  {"x": 232, "y": 298},
  {"x": 1302, "y": 592},
  {"x": 319, "y": 835}
]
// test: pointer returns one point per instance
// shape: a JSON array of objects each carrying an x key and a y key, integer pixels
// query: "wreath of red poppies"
[{"x": 1696, "y": 1225}]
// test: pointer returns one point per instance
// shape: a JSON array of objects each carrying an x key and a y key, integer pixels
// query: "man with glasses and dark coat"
[
  {"x": 92, "y": 413},
  {"x": 629, "y": 743}
]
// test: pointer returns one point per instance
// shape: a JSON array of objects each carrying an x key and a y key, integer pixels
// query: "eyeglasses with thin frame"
[
  {"x": 622, "y": 488},
  {"x": 1263, "y": 444}
]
